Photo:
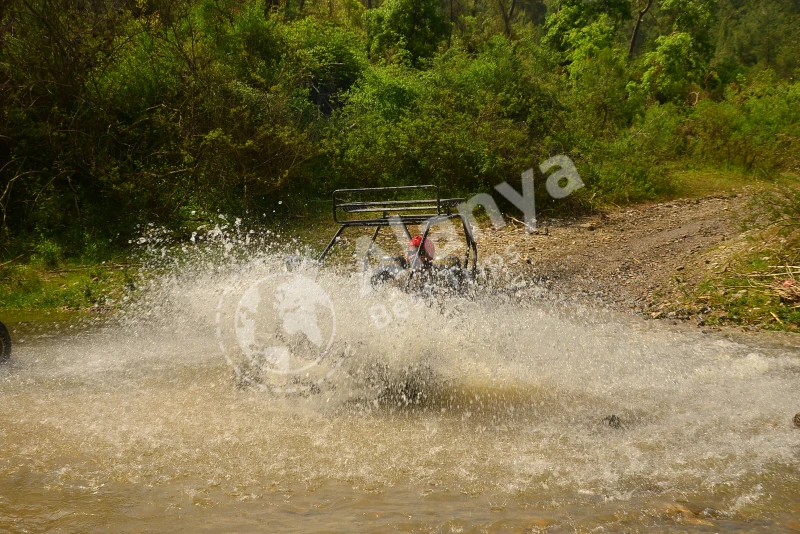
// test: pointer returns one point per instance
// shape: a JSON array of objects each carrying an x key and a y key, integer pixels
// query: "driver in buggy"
[{"x": 418, "y": 260}]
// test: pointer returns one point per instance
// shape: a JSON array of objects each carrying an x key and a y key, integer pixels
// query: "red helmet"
[{"x": 428, "y": 251}]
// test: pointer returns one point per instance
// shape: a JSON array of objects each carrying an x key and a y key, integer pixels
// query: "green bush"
[
  {"x": 411, "y": 30},
  {"x": 121, "y": 113},
  {"x": 323, "y": 61},
  {"x": 756, "y": 128},
  {"x": 47, "y": 254},
  {"x": 467, "y": 123}
]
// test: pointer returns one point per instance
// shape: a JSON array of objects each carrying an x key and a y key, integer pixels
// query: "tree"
[
  {"x": 413, "y": 27},
  {"x": 681, "y": 59},
  {"x": 637, "y": 25},
  {"x": 759, "y": 33},
  {"x": 696, "y": 18},
  {"x": 573, "y": 15}
]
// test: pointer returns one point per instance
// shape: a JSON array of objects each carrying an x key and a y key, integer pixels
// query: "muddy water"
[{"x": 442, "y": 416}]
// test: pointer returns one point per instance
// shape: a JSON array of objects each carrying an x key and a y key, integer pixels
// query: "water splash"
[{"x": 500, "y": 394}]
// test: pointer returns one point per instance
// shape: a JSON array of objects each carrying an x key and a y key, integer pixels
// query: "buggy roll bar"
[{"x": 362, "y": 207}]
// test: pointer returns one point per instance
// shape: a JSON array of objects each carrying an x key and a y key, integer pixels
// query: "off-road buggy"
[{"x": 397, "y": 208}]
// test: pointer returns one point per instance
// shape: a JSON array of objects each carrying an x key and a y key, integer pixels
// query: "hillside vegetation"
[{"x": 122, "y": 113}]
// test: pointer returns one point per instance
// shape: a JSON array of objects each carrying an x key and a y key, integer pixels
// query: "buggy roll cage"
[{"x": 350, "y": 211}]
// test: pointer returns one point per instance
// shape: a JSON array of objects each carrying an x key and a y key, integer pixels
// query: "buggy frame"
[{"x": 351, "y": 210}]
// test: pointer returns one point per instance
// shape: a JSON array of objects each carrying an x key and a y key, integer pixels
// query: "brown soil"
[
  {"x": 642, "y": 259},
  {"x": 647, "y": 259}
]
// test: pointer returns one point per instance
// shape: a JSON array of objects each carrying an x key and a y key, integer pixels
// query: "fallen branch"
[
  {"x": 761, "y": 275},
  {"x": 530, "y": 229},
  {"x": 101, "y": 266},
  {"x": 11, "y": 261}
]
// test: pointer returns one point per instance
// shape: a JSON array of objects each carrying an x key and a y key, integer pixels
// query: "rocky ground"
[{"x": 645, "y": 259}]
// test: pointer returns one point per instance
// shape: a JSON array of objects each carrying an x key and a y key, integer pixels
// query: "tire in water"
[{"x": 5, "y": 343}]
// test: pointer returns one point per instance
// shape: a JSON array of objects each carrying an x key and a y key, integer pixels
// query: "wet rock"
[
  {"x": 5, "y": 343},
  {"x": 682, "y": 514},
  {"x": 541, "y": 522},
  {"x": 711, "y": 513}
]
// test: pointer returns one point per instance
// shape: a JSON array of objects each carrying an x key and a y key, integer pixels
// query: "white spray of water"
[{"x": 494, "y": 392}]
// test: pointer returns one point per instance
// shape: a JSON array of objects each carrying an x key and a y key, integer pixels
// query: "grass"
[
  {"x": 69, "y": 286},
  {"x": 744, "y": 294},
  {"x": 695, "y": 183}
]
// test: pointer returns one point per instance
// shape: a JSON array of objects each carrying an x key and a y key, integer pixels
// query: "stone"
[
  {"x": 541, "y": 522},
  {"x": 682, "y": 514},
  {"x": 797, "y": 419}
]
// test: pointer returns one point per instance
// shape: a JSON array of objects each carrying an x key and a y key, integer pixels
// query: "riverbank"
[
  {"x": 37, "y": 290},
  {"x": 688, "y": 259}
]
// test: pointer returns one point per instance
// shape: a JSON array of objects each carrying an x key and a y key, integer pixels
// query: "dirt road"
[{"x": 637, "y": 259}]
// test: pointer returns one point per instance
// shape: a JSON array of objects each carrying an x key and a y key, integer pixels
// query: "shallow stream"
[{"x": 444, "y": 415}]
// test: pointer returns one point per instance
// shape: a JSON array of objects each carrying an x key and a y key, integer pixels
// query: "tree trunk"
[
  {"x": 507, "y": 16},
  {"x": 449, "y": 35},
  {"x": 642, "y": 13}
]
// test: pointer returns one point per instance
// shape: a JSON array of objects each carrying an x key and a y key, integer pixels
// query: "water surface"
[{"x": 456, "y": 415}]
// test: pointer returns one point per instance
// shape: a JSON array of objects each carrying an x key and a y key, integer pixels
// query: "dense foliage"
[{"x": 120, "y": 112}]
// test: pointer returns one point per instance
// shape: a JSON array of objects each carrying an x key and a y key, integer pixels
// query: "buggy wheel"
[
  {"x": 450, "y": 275},
  {"x": 5, "y": 343},
  {"x": 387, "y": 270},
  {"x": 380, "y": 277}
]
